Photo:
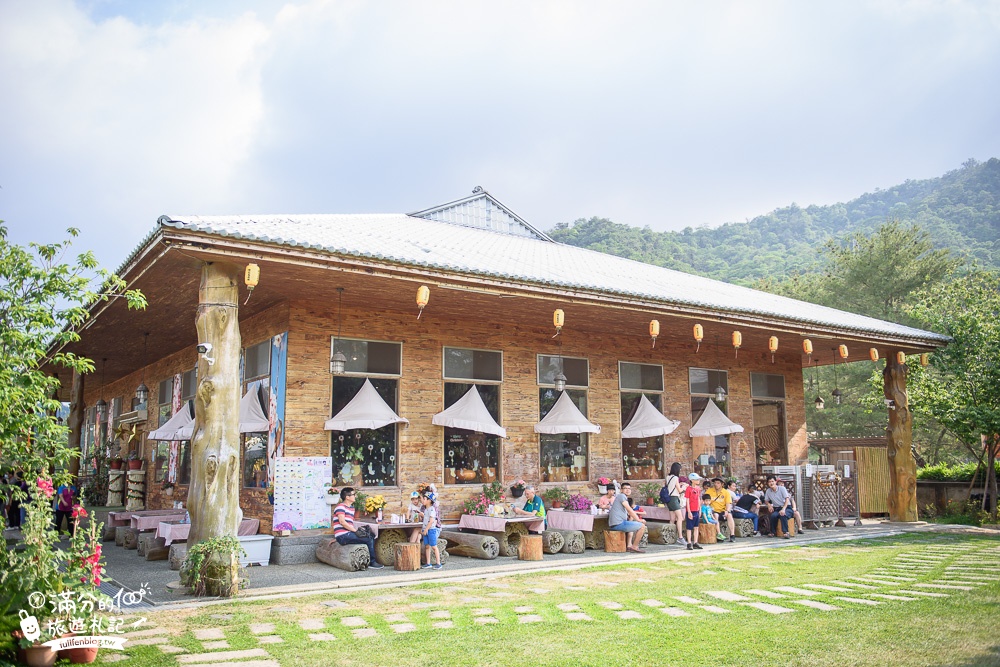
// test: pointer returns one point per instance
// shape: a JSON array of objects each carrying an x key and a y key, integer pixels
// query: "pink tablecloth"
[
  {"x": 498, "y": 525},
  {"x": 571, "y": 520},
  {"x": 146, "y": 522},
  {"x": 657, "y": 513},
  {"x": 178, "y": 532},
  {"x": 388, "y": 526},
  {"x": 116, "y": 519}
]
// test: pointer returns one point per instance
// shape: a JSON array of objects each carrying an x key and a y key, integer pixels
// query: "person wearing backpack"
[{"x": 670, "y": 495}]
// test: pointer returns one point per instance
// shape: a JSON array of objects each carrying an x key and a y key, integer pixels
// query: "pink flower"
[{"x": 45, "y": 486}]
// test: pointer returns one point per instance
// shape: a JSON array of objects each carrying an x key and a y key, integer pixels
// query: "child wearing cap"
[
  {"x": 692, "y": 506},
  {"x": 431, "y": 529},
  {"x": 415, "y": 514}
]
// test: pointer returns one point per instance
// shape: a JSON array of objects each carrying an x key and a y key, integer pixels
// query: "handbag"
[{"x": 363, "y": 532}]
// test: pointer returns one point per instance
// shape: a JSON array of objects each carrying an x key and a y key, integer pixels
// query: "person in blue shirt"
[
  {"x": 708, "y": 514},
  {"x": 533, "y": 505}
]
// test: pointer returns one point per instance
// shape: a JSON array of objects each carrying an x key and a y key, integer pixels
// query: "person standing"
[
  {"x": 623, "y": 518},
  {"x": 65, "y": 499},
  {"x": 670, "y": 495},
  {"x": 344, "y": 531},
  {"x": 431, "y": 529},
  {"x": 692, "y": 503},
  {"x": 778, "y": 496}
]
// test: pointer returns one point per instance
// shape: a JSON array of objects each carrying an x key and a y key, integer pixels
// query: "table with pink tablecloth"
[
  {"x": 499, "y": 524},
  {"x": 565, "y": 520},
  {"x": 116, "y": 519},
  {"x": 143, "y": 522},
  {"x": 651, "y": 512},
  {"x": 178, "y": 532},
  {"x": 375, "y": 527}
]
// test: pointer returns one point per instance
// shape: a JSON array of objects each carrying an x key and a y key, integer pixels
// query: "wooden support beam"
[
  {"x": 75, "y": 424},
  {"x": 902, "y": 466}
]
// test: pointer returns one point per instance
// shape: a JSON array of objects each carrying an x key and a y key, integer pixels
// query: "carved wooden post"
[
  {"x": 76, "y": 424},
  {"x": 214, "y": 494},
  {"x": 899, "y": 440}
]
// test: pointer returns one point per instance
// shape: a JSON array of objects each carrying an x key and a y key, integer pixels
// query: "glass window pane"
[
  {"x": 364, "y": 457},
  {"x": 642, "y": 458},
  {"x": 575, "y": 370},
  {"x": 255, "y": 460},
  {"x": 188, "y": 384},
  {"x": 563, "y": 456},
  {"x": 640, "y": 377},
  {"x": 765, "y": 385},
  {"x": 705, "y": 381},
  {"x": 469, "y": 457},
  {"x": 161, "y": 454},
  {"x": 185, "y": 457},
  {"x": 165, "y": 391},
  {"x": 463, "y": 364},
  {"x": 257, "y": 360}
]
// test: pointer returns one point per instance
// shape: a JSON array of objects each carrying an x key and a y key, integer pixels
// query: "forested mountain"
[{"x": 960, "y": 211}]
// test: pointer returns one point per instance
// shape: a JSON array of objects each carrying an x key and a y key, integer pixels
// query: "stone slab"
[
  {"x": 215, "y": 646},
  {"x": 628, "y": 614},
  {"x": 353, "y": 621},
  {"x": 362, "y": 633},
  {"x": 312, "y": 623},
  {"x": 320, "y": 637},
  {"x": 688, "y": 599},
  {"x": 727, "y": 596},
  {"x": 220, "y": 656},
  {"x": 796, "y": 591},
  {"x": 443, "y": 625},
  {"x": 485, "y": 620},
  {"x": 715, "y": 610},
  {"x": 262, "y": 628},
  {"x": 764, "y": 593},
  {"x": 402, "y": 628},
  {"x": 578, "y": 616},
  {"x": 673, "y": 611},
  {"x": 607, "y": 604},
  {"x": 202, "y": 634},
  {"x": 770, "y": 608},
  {"x": 270, "y": 639},
  {"x": 822, "y": 606},
  {"x": 529, "y": 618}
]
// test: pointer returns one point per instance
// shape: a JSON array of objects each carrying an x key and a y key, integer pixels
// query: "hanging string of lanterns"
[
  {"x": 423, "y": 297},
  {"x": 737, "y": 342},
  {"x": 699, "y": 335}
]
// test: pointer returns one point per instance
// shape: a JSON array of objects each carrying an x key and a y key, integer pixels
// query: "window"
[
  {"x": 477, "y": 365},
  {"x": 640, "y": 377},
  {"x": 89, "y": 439},
  {"x": 470, "y": 457},
  {"x": 366, "y": 457},
  {"x": 164, "y": 411},
  {"x": 763, "y": 385},
  {"x": 642, "y": 458},
  {"x": 257, "y": 361},
  {"x": 769, "y": 432},
  {"x": 563, "y": 456},
  {"x": 255, "y": 444},
  {"x": 704, "y": 384},
  {"x": 189, "y": 383}
]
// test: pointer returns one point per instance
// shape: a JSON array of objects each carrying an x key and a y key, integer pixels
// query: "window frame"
[
  {"x": 640, "y": 390},
  {"x": 347, "y": 373},
  {"x": 538, "y": 375},
  {"x": 455, "y": 380}
]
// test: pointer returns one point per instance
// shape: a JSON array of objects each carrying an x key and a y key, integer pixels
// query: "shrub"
[{"x": 942, "y": 472}]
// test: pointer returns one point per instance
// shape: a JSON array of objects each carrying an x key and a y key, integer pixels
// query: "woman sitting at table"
[{"x": 533, "y": 505}]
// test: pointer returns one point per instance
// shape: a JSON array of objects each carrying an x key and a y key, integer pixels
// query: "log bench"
[
  {"x": 349, "y": 557},
  {"x": 472, "y": 545},
  {"x": 661, "y": 532},
  {"x": 130, "y": 538},
  {"x": 388, "y": 538},
  {"x": 573, "y": 541}
]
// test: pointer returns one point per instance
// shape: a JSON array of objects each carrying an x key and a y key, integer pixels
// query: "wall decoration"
[
  {"x": 276, "y": 403},
  {"x": 300, "y": 484},
  {"x": 175, "y": 445}
]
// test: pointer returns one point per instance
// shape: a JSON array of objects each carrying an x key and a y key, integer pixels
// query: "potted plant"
[
  {"x": 360, "y": 499},
  {"x": 134, "y": 462},
  {"x": 578, "y": 503},
  {"x": 332, "y": 496},
  {"x": 517, "y": 489},
  {"x": 602, "y": 484},
  {"x": 168, "y": 488},
  {"x": 556, "y": 496},
  {"x": 649, "y": 491},
  {"x": 374, "y": 505},
  {"x": 479, "y": 504},
  {"x": 116, "y": 463}
]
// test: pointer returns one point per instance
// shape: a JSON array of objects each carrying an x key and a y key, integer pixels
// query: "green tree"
[
  {"x": 961, "y": 388},
  {"x": 43, "y": 298}
]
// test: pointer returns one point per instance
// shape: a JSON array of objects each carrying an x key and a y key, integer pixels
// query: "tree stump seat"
[
  {"x": 573, "y": 541},
  {"x": 791, "y": 528},
  {"x": 529, "y": 547},
  {"x": 707, "y": 533},
  {"x": 130, "y": 539},
  {"x": 661, "y": 532},
  {"x": 349, "y": 557},
  {"x": 552, "y": 541},
  {"x": 614, "y": 542},
  {"x": 176, "y": 555},
  {"x": 406, "y": 556}
]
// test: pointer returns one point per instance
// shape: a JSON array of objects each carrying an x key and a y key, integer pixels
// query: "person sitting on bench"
[
  {"x": 746, "y": 506},
  {"x": 778, "y": 497},
  {"x": 622, "y": 517},
  {"x": 722, "y": 505}
]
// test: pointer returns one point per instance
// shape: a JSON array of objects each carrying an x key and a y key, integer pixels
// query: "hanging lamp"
[
  {"x": 772, "y": 345},
  {"x": 423, "y": 297},
  {"x": 654, "y": 330},
  {"x": 814, "y": 384},
  {"x": 559, "y": 381},
  {"x": 558, "y": 319},
  {"x": 699, "y": 334},
  {"x": 251, "y": 276},
  {"x": 102, "y": 406},
  {"x": 737, "y": 342},
  {"x": 836, "y": 378},
  {"x": 720, "y": 391},
  {"x": 142, "y": 391},
  {"x": 338, "y": 362}
]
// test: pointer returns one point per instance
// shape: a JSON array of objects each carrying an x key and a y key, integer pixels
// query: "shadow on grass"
[{"x": 991, "y": 658}]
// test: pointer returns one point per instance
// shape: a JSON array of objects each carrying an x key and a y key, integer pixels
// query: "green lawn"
[{"x": 960, "y": 629}]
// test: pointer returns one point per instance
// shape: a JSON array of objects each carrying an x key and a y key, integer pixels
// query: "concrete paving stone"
[
  {"x": 362, "y": 633},
  {"x": 894, "y": 577},
  {"x": 202, "y": 634},
  {"x": 568, "y": 606},
  {"x": 523, "y": 610},
  {"x": 321, "y": 637},
  {"x": 824, "y": 587},
  {"x": 858, "y": 601},
  {"x": 147, "y": 641},
  {"x": 960, "y": 582},
  {"x": 578, "y": 616},
  {"x": 883, "y": 582},
  {"x": 485, "y": 611},
  {"x": 353, "y": 621},
  {"x": 215, "y": 646},
  {"x": 114, "y": 657},
  {"x": 262, "y": 628},
  {"x": 401, "y": 628},
  {"x": 440, "y": 613},
  {"x": 223, "y": 655},
  {"x": 760, "y": 567},
  {"x": 764, "y": 593},
  {"x": 540, "y": 591},
  {"x": 608, "y": 604},
  {"x": 505, "y": 594},
  {"x": 334, "y": 604},
  {"x": 715, "y": 610},
  {"x": 312, "y": 623},
  {"x": 727, "y": 596},
  {"x": 926, "y": 594},
  {"x": 822, "y": 606},
  {"x": 796, "y": 591},
  {"x": 284, "y": 610},
  {"x": 652, "y": 603},
  {"x": 473, "y": 598},
  {"x": 628, "y": 614},
  {"x": 883, "y": 596},
  {"x": 418, "y": 593},
  {"x": 673, "y": 611},
  {"x": 485, "y": 620},
  {"x": 709, "y": 572},
  {"x": 529, "y": 618},
  {"x": 270, "y": 639},
  {"x": 443, "y": 625},
  {"x": 396, "y": 618},
  {"x": 854, "y": 584},
  {"x": 730, "y": 569},
  {"x": 421, "y": 605},
  {"x": 167, "y": 648},
  {"x": 688, "y": 599},
  {"x": 575, "y": 588},
  {"x": 770, "y": 608},
  {"x": 608, "y": 584},
  {"x": 946, "y": 587},
  {"x": 146, "y": 633}
]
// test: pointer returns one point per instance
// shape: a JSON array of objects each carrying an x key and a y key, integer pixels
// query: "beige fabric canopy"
[
  {"x": 178, "y": 427},
  {"x": 365, "y": 410},
  {"x": 648, "y": 422},
  {"x": 252, "y": 417},
  {"x": 714, "y": 422},
  {"x": 565, "y": 417},
  {"x": 470, "y": 413}
]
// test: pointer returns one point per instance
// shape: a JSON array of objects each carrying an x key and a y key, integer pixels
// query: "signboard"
[{"x": 300, "y": 484}]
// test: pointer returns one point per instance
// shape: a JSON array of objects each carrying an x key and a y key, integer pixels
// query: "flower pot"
[
  {"x": 602, "y": 488},
  {"x": 328, "y": 499},
  {"x": 557, "y": 503},
  {"x": 116, "y": 464},
  {"x": 37, "y": 656},
  {"x": 650, "y": 501},
  {"x": 135, "y": 465},
  {"x": 516, "y": 492},
  {"x": 168, "y": 492}
]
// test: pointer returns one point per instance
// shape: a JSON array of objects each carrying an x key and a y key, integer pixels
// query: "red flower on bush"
[
  {"x": 79, "y": 511},
  {"x": 45, "y": 486}
]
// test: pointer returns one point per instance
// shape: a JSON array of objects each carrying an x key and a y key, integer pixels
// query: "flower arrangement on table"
[
  {"x": 578, "y": 503},
  {"x": 494, "y": 492},
  {"x": 374, "y": 503},
  {"x": 332, "y": 491}
]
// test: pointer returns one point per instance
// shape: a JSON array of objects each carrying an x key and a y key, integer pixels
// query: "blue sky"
[{"x": 666, "y": 114}]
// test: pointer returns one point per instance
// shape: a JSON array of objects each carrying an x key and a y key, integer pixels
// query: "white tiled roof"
[{"x": 414, "y": 241}]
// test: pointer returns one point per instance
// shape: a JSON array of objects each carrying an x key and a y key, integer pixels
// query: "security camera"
[
  {"x": 203, "y": 350},
  {"x": 891, "y": 404}
]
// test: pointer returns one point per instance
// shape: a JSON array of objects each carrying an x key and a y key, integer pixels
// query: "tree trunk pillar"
[
  {"x": 76, "y": 424},
  {"x": 214, "y": 494},
  {"x": 899, "y": 440}
]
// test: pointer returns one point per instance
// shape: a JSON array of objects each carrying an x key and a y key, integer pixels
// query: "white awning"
[
  {"x": 178, "y": 427},
  {"x": 565, "y": 417},
  {"x": 648, "y": 422},
  {"x": 252, "y": 417},
  {"x": 366, "y": 410},
  {"x": 470, "y": 413},
  {"x": 713, "y": 422}
]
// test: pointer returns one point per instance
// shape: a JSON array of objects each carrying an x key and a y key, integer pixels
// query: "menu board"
[{"x": 300, "y": 492}]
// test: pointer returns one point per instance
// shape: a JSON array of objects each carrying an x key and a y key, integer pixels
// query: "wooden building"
[{"x": 348, "y": 283}]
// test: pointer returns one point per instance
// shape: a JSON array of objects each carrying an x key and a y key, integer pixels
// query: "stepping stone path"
[
  {"x": 321, "y": 637},
  {"x": 652, "y": 603},
  {"x": 688, "y": 599},
  {"x": 396, "y": 618},
  {"x": 674, "y": 611},
  {"x": 312, "y": 623},
  {"x": 146, "y": 633},
  {"x": 114, "y": 657},
  {"x": 715, "y": 610},
  {"x": 607, "y": 604},
  {"x": 270, "y": 639},
  {"x": 571, "y": 588},
  {"x": 832, "y": 589},
  {"x": 286, "y": 610},
  {"x": 483, "y": 620},
  {"x": 822, "y": 606},
  {"x": 854, "y": 585},
  {"x": 859, "y": 601},
  {"x": 443, "y": 625},
  {"x": 353, "y": 621},
  {"x": 214, "y": 646},
  {"x": 568, "y": 606},
  {"x": 770, "y": 608},
  {"x": 202, "y": 634},
  {"x": 796, "y": 591},
  {"x": 946, "y": 587},
  {"x": 262, "y": 628},
  {"x": 529, "y": 618},
  {"x": 362, "y": 633},
  {"x": 222, "y": 617},
  {"x": 334, "y": 604},
  {"x": 926, "y": 594},
  {"x": 403, "y": 627},
  {"x": 730, "y": 569},
  {"x": 523, "y": 610},
  {"x": 628, "y": 614},
  {"x": 578, "y": 616},
  {"x": 166, "y": 648},
  {"x": 883, "y": 596},
  {"x": 764, "y": 593},
  {"x": 486, "y": 611},
  {"x": 222, "y": 656},
  {"x": 727, "y": 596},
  {"x": 441, "y": 613},
  {"x": 709, "y": 572},
  {"x": 148, "y": 641},
  {"x": 540, "y": 591}
]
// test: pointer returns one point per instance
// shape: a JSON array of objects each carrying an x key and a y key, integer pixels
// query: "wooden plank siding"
[{"x": 873, "y": 479}]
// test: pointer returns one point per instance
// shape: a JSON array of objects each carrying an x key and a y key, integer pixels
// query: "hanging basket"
[{"x": 602, "y": 488}]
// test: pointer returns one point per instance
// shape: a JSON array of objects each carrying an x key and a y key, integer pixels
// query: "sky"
[{"x": 660, "y": 114}]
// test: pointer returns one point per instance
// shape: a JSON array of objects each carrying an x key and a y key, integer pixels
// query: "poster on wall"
[
  {"x": 300, "y": 484},
  {"x": 276, "y": 402},
  {"x": 175, "y": 445}
]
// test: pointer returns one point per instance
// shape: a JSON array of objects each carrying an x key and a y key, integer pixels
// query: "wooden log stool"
[
  {"x": 661, "y": 533},
  {"x": 156, "y": 550},
  {"x": 791, "y": 528},
  {"x": 744, "y": 527},
  {"x": 130, "y": 540},
  {"x": 614, "y": 542},
  {"x": 349, "y": 557},
  {"x": 109, "y": 532},
  {"x": 552, "y": 541},
  {"x": 529, "y": 547},
  {"x": 573, "y": 541},
  {"x": 407, "y": 557},
  {"x": 120, "y": 535},
  {"x": 177, "y": 554},
  {"x": 149, "y": 541},
  {"x": 707, "y": 533}
]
